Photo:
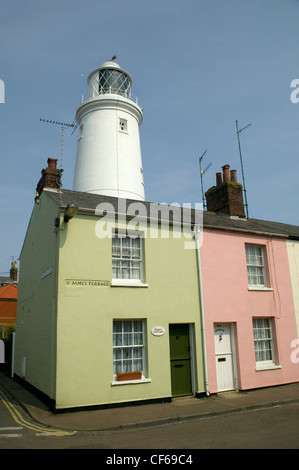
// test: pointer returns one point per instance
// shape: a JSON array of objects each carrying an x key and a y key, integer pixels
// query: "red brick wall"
[
  {"x": 226, "y": 198},
  {"x": 8, "y": 311}
]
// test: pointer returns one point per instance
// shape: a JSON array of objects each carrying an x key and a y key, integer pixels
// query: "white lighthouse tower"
[{"x": 109, "y": 155}]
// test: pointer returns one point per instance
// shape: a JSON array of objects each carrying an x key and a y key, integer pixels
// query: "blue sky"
[{"x": 197, "y": 67}]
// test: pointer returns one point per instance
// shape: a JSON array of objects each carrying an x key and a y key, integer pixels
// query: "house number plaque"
[{"x": 158, "y": 331}]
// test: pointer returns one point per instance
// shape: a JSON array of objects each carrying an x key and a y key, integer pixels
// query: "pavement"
[{"x": 134, "y": 416}]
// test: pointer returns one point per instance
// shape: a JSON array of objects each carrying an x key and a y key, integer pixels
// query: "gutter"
[
  {"x": 202, "y": 313},
  {"x": 237, "y": 229}
]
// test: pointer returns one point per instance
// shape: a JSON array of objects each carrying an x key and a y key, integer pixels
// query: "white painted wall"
[{"x": 109, "y": 159}]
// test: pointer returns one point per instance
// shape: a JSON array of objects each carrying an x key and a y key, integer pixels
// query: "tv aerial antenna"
[
  {"x": 241, "y": 160},
  {"x": 62, "y": 125},
  {"x": 202, "y": 172}
]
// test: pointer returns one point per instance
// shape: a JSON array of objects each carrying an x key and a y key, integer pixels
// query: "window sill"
[
  {"x": 264, "y": 289},
  {"x": 267, "y": 367},
  {"x": 127, "y": 283},
  {"x": 126, "y": 382}
]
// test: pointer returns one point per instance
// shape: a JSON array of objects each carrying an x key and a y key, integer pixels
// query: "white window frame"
[
  {"x": 128, "y": 340},
  {"x": 263, "y": 336},
  {"x": 121, "y": 281},
  {"x": 255, "y": 266},
  {"x": 123, "y": 125}
]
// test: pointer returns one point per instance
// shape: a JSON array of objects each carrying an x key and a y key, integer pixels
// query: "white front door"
[{"x": 224, "y": 356}]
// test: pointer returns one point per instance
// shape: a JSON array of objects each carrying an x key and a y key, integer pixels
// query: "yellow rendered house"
[{"x": 109, "y": 303}]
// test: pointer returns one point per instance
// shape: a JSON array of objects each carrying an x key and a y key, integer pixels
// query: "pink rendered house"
[{"x": 247, "y": 293}]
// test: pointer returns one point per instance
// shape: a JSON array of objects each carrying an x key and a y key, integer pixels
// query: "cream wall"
[
  {"x": 293, "y": 254},
  {"x": 36, "y": 311},
  {"x": 85, "y": 315}
]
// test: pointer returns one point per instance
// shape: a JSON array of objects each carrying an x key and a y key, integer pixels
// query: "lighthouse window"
[
  {"x": 114, "y": 81},
  {"x": 123, "y": 125},
  {"x": 81, "y": 131}
]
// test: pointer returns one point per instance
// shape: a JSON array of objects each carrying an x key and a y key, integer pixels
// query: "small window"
[
  {"x": 123, "y": 125},
  {"x": 263, "y": 340},
  {"x": 128, "y": 346},
  {"x": 126, "y": 257},
  {"x": 255, "y": 266}
]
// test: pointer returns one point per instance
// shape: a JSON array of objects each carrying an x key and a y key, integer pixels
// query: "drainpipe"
[{"x": 202, "y": 313}]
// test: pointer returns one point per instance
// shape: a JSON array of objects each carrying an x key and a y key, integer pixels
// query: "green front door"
[{"x": 180, "y": 360}]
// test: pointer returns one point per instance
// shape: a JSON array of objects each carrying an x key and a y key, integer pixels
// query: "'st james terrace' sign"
[{"x": 86, "y": 283}]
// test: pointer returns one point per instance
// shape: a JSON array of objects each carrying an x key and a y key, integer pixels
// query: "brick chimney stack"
[
  {"x": 51, "y": 178},
  {"x": 226, "y": 197},
  {"x": 14, "y": 271}
]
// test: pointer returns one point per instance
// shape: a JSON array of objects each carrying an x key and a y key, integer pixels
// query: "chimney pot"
[
  {"x": 218, "y": 178},
  {"x": 233, "y": 176},
  {"x": 52, "y": 163},
  {"x": 225, "y": 169},
  {"x": 51, "y": 178},
  {"x": 14, "y": 271}
]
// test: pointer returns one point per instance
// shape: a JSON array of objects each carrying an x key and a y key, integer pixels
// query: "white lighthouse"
[{"x": 109, "y": 155}]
